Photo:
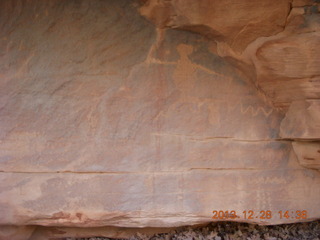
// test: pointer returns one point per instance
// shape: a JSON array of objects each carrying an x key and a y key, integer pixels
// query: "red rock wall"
[{"x": 109, "y": 120}]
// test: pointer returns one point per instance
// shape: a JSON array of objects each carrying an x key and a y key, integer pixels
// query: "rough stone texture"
[
  {"x": 63, "y": 233},
  {"x": 234, "y": 231},
  {"x": 16, "y": 232},
  {"x": 308, "y": 153},
  {"x": 279, "y": 38},
  {"x": 237, "y": 23},
  {"x": 302, "y": 121},
  {"x": 214, "y": 231},
  {"x": 106, "y": 120},
  {"x": 287, "y": 65},
  {"x": 302, "y": 3}
]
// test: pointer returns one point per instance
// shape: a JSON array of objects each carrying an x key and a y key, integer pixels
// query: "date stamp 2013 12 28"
[{"x": 263, "y": 214}]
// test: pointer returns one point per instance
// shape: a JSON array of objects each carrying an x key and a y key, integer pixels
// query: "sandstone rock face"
[
  {"x": 308, "y": 154},
  {"x": 287, "y": 64},
  {"x": 16, "y": 232},
  {"x": 279, "y": 38},
  {"x": 109, "y": 121},
  {"x": 302, "y": 121},
  {"x": 236, "y": 22}
]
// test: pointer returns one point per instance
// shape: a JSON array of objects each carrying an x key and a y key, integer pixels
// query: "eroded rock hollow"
[{"x": 155, "y": 113}]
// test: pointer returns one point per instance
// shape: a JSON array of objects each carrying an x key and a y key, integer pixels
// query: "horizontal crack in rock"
[{"x": 150, "y": 173}]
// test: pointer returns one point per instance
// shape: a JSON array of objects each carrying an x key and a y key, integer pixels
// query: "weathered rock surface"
[
  {"x": 308, "y": 153},
  {"x": 106, "y": 120},
  {"x": 16, "y": 232},
  {"x": 237, "y": 23},
  {"x": 302, "y": 121},
  {"x": 287, "y": 64},
  {"x": 279, "y": 38}
]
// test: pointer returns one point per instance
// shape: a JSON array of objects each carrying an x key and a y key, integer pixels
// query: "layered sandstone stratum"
[{"x": 123, "y": 114}]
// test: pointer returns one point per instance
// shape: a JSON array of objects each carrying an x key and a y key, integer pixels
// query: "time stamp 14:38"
[{"x": 263, "y": 214}]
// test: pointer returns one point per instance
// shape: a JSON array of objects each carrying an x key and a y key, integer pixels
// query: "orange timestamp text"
[{"x": 263, "y": 214}]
